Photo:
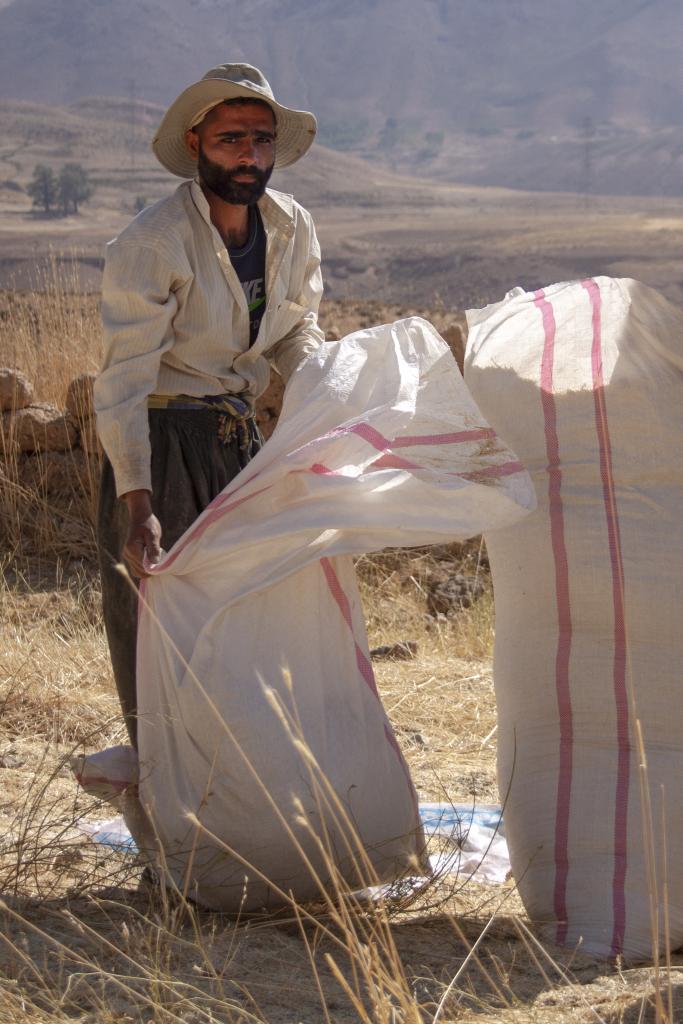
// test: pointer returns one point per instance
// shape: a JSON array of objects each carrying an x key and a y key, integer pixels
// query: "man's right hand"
[{"x": 144, "y": 532}]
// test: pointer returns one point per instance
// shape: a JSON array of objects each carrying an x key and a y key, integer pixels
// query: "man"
[{"x": 201, "y": 292}]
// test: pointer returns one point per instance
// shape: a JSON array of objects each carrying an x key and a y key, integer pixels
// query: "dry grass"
[
  {"x": 441, "y": 705},
  {"x": 52, "y": 334},
  {"x": 35, "y": 522}
]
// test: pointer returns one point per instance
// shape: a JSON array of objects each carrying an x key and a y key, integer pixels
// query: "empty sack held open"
[{"x": 268, "y": 767}]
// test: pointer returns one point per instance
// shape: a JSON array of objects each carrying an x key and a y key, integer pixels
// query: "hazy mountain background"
[{"x": 586, "y": 96}]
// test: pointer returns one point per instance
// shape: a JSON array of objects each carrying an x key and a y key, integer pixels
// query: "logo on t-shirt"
[
  {"x": 250, "y": 265},
  {"x": 254, "y": 293}
]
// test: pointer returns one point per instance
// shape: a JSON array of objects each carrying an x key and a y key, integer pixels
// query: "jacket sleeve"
[
  {"x": 138, "y": 306},
  {"x": 306, "y": 336}
]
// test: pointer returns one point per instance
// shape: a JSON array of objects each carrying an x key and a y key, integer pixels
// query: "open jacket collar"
[{"x": 277, "y": 208}]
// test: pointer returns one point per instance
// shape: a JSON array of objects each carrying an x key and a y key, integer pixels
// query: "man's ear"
[{"x": 192, "y": 143}]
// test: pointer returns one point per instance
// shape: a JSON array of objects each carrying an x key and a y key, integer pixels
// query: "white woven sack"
[
  {"x": 584, "y": 381},
  {"x": 378, "y": 444}
]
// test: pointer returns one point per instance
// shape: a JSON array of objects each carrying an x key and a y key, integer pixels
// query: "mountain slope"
[{"x": 419, "y": 83}]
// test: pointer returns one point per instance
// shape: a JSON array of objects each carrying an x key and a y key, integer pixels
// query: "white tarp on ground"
[
  {"x": 473, "y": 835},
  {"x": 585, "y": 382},
  {"x": 379, "y": 444}
]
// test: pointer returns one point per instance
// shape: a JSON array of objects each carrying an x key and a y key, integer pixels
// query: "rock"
[
  {"x": 16, "y": 390},
  {"x": 39, "y": 428},
  {"x": 60, "y": 474},
  {"x": 79, "y": 397},
  {"x": 67, "y": 857},
  {"x": 450, "y": 595},
  {"x": 411, "y": 734},
  {"x": 10, "y": 760},
  {"x": 405, "y": 650}
]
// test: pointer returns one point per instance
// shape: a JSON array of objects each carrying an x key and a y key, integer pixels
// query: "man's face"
[{"x": 235, "y": 150}]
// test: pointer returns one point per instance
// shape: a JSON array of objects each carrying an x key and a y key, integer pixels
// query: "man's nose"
[{"x": 248, "y": 150}]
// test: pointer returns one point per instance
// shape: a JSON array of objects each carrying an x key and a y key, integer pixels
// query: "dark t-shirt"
[{"x": 250, "y": 266}]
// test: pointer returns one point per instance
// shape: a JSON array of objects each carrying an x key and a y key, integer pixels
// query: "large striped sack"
[
  {"x": 269, "y": 770},
  {"x": 585, "y": 382}
]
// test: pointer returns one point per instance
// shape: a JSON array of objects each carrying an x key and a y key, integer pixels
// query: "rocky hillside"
[{"x": 581, "y": 96}]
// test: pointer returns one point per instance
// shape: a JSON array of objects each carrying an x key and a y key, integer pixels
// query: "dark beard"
[{"x": 222, "y": 182}]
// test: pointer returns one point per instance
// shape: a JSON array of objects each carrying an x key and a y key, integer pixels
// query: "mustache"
[{"x": 256, "y": 172}]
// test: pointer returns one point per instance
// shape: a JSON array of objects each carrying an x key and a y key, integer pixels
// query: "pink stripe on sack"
[
  {"x": 619, "y": 668},
  {"x": 483, "y": 434},
  {"x": 210, "y": 516},
  {"x": 365, "y": 668},
  {"x": 90, "y": 781},
  {"x": 337, "y": 591},
  {"x": 321, "y": 470},
  {"x": 375, "y": 438},
  {"x": 364, "y": 430},
  {"x": 234, "y": 488},
  {"x": 372, "y": 436},
  {"x": 564, "y": 619},
  {"x": 389, "y": 461}
]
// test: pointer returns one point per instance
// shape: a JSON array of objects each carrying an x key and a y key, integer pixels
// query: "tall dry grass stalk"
[
  {"x": 51, "y": 334},
  {"x": 34, "y": 520}
]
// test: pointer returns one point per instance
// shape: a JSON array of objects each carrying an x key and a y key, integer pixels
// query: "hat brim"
[{"x": 295, "y": 128}]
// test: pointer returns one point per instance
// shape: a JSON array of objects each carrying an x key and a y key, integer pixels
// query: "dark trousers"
[{"x": 190, "y": 466}]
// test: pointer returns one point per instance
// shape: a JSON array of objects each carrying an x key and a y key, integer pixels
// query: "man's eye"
[{"x": 265, "y": 140}]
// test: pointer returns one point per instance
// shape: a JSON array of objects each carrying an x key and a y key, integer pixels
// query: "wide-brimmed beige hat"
[{"x": 295, "y": 128}]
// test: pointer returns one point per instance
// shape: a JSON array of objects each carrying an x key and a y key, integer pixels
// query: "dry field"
[
  {"x": 385, "y": 237},
  {"x": 82, "y": 941}
]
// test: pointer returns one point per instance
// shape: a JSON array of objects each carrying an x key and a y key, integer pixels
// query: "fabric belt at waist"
[
  {"x": 235, "y": 413},
  {"x": 235, "y": 405}
]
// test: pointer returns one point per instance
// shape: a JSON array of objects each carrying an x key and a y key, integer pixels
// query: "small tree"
[
  {"x": 43, "y": 187},
  {"x": 74, "y": 187},
  {"x": 390, "y": 135}
]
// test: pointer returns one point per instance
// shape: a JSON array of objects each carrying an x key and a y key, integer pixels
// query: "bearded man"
[{"x": 202, "y": 293}]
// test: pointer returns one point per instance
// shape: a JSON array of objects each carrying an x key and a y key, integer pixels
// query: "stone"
[
  {"x": 448, "y": 596},
  {"x": 39, "y": 428},
  {"x": 412, "y": 735},
  {"x": 60, "y": 474},
  {"x": 404, "y": 650},
  {"x": 79, "y": 397},
  {"x": 16, "y": 390},
  {"x": 11, "y": 760}
]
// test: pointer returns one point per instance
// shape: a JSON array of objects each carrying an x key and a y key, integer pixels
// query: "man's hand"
[{"x": 144, "y": 532}]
